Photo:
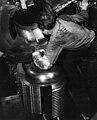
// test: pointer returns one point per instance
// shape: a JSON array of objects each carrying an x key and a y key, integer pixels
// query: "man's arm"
[{"x": 79, "y": 17}]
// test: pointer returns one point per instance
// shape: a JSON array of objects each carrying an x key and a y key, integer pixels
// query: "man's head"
[{"x": 47, "y": 17}]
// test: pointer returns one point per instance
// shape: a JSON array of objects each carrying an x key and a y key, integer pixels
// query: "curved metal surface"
[
  {"x": 36, "y": 75},
  {"x": 43, "y": 95}
]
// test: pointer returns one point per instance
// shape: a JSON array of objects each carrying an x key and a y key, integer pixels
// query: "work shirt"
[{"x": 69, "y": 34}]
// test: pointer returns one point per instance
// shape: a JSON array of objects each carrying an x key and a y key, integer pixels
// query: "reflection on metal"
[
  {"x": 44, "y": 77},
  {"x": 44, "y": 91},
  {"x": 44, "y": 117},
  {"x": 85, "y": 117},
  {"x": 62, "y": 5},
  {"x": 95, "y": 3},
  {"x": 58, "y": 118},
  {"x": 12, "y": 97}
]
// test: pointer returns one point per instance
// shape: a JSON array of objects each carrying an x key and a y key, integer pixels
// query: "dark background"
[{"x": 8, "y": 86}]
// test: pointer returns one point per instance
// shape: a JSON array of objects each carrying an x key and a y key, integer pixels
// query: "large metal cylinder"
[{"x": 42, "y": 92}]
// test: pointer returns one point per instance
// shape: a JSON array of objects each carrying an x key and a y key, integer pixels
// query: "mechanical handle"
[{"x": 62, "y": 5}]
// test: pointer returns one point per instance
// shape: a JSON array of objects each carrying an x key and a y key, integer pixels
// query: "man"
[
  {"x": 65, "y": 32},
  {"x": 68, "y": 32}
]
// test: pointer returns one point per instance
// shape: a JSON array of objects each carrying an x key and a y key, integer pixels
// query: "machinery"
[{"x": 42, "y": 92}]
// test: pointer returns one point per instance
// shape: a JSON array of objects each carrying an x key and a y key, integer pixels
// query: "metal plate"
[{"x": 56, "y": 2}]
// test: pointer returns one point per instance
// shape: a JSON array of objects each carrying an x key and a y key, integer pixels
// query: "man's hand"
[
  {"x": 84, "y": 4},
  {"x": 40, "y": 59}
]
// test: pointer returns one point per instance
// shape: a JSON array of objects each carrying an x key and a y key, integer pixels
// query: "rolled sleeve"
[{"x": 77, "y": 18}]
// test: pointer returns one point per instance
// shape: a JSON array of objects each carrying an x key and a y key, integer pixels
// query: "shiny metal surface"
[
  {"x": 42, "y": 92},
  {"x": 43, "y": 76},
  {"x": 28, "y": 35}
]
